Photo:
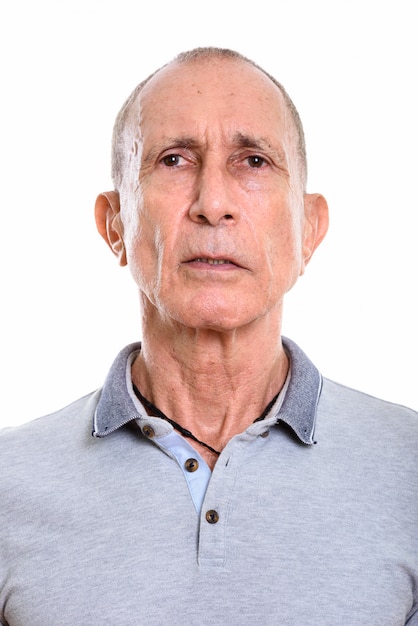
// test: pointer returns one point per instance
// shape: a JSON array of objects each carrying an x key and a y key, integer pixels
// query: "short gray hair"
[{"x": 124, "y": 115}]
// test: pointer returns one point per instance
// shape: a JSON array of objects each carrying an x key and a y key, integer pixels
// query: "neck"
[{"x": 214, "y": 384}]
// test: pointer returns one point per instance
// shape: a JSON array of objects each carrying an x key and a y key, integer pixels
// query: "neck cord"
[{"x": 183, "y": 431}]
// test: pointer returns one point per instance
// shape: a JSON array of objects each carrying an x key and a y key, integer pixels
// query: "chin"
[
  {"x": 216, "y": 321},
  {"x": 216, "y": 310}
]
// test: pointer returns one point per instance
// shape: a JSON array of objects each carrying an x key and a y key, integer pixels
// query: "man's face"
[{"x": 212, "y": 203}]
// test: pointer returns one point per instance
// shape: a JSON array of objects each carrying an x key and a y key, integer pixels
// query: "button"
[
  {"x": 148, "y": 431},
  {"x": 191, "y": 465},
  {"x": 265, "y": 434},
  {"x": 212, "y": 516}
]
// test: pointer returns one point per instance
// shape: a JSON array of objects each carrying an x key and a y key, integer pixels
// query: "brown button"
[
  {"x": 191, "y": 465},
  {"x": 212, "y": 516},
  {"x": 265, "y": 433},
  {"x": 148, "y": 431}
]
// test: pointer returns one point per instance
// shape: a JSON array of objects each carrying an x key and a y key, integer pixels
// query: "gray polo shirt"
[{"x": 310, "y": 516}]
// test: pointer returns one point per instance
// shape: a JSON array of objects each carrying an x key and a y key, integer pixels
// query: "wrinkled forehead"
[
  {"x": 189, "y": 72},
  {"x": 229, "y": 88}
]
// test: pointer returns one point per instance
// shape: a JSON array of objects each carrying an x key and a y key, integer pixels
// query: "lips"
[
  {"x": 202, "y": 261},
  {"x": 204, "y": 258},
  {"x": 213, "y": 261}
]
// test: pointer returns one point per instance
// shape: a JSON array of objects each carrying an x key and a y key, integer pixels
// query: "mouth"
[
  {"x": 202, "y": 261},
  {"x": 213, "y": 261},
  {"x": 213, "y": 264}
]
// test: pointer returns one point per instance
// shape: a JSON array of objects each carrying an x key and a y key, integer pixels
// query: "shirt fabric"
[{"x": 310, "y": 516}]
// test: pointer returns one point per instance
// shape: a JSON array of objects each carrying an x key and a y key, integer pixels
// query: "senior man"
[{"x": 217, "y": 477}]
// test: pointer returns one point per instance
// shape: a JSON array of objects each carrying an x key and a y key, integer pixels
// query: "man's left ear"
[
  {"x": 316, "y": 225},
  {"x": 109, "y": 224}
]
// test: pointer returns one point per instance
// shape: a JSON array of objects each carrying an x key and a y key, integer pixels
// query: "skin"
[{"x": 214, "y": 224}]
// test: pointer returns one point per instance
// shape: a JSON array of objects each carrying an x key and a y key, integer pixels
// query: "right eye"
[{"x": 171, "y": 159}]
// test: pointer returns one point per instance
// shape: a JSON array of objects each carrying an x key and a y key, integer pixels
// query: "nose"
[{"x": 215, "y": 201}]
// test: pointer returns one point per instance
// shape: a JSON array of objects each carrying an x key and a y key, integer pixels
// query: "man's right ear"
[{"x": 109, "y": 224}]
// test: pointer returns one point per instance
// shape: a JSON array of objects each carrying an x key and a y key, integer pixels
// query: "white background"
[{"x": 67, "y": 67}]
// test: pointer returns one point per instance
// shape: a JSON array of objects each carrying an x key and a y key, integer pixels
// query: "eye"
[
  {"x": 171, "y": 159},
  {"x": 256, "y": 161}
]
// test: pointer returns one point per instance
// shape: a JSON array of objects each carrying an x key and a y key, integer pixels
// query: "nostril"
[{"x": 206, "y": 219}]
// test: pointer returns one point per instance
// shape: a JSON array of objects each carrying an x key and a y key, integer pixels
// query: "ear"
[
  {"x": 109, "y": 224},
  {"x": 316, "y": 225}
]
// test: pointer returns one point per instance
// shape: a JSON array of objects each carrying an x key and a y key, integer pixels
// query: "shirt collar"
[
  {"x": 300, "y": 403},
  {"x": 116, "y": 405}
]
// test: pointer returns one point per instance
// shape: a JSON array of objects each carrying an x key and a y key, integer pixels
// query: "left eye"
[{"x": 256, "y": 161}]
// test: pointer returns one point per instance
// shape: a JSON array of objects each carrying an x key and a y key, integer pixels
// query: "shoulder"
[
  {"x": 45, "y": 458},
  {"x": 354, "y": 411},
  {"x": 334, "y": 393},
  {"x": 44, "y": 433}
]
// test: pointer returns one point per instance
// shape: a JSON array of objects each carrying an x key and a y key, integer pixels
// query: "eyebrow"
[
  {"x": 170, "y": 143},
  {"x": 246, "y": 141},
  {"x": 258, "y": 143}
]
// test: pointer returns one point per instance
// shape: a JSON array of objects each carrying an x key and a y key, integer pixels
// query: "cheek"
[
  {"x": 284, "y": 252},
  {"x": 147, "y": 248},
  {"x": 140, "y": 243}
]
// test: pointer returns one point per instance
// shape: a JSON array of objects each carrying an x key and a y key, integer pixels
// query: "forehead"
[{"x": 212, "y": 93}]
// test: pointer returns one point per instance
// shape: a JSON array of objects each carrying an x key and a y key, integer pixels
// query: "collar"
[{"x": 117, "y": 407}]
